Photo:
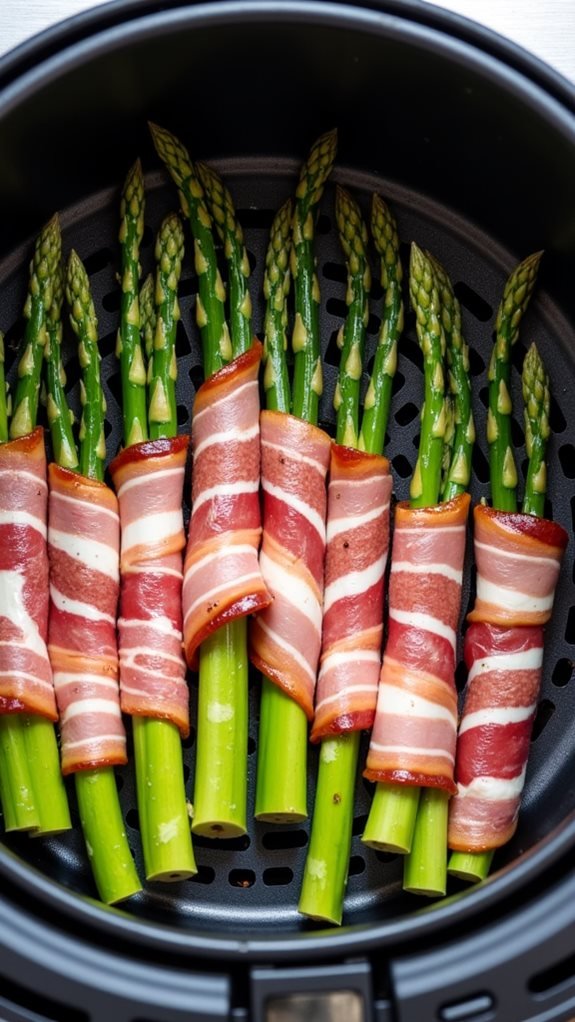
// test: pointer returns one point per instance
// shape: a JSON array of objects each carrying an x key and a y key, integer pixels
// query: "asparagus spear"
[
  {"x": 33, "y": 791},
  {"x": 148, "y": 317},
  {"x": 100, "y": 813},
  {"x": 323, "y": 888},
  {"x": 516, "y": 295},
  {"x": 378, "y": 397},
  {"x": 229, "y": 229},
  {"x": 283, "y": 724},
  {"x": 210, "y": 313},
  {"x": 276, "y": 290},
  {"x": 162, "y": 411},
  {"x": 129, "y": 346}
]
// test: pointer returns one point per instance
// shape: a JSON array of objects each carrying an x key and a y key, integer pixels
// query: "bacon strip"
[
  {"x": 26, "y": 684},
  {"x": 359, "y": 496},
  {"x": 503, "y": 684},
  {"x": 518, "y": 558},
  {"x": 149, "y": 481},
  {"x": 222, "y": 577},
  {"x": 414, "y": 734},
  {"x": 286, "y": 637},
  {"x": 84, "y": 556}
]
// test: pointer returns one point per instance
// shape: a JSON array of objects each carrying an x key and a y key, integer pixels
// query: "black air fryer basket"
[{"x": 473, "y": 145}]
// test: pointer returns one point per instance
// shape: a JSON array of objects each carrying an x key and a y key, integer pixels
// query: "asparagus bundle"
[
  {"x": 84, "y": 586},
  {"x": 518, "y": 558},
  {"x": 32, "y": 789},
  {"x": 222, "y": 579},
  {"x": 358, "y": 536},
  {"x": 285, "y": 639},
  {"x": 149, "y": 480},
  {"x": 413, "y": 740}
]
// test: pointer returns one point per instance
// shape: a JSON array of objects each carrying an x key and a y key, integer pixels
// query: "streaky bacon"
[
  {"x": 26, "y": 683},
  {"x": 518, "y": 557},
  {"x": 84, "y": 556},
  {"x": 286, "y": 636},
  {"x": 414, "y": 733},
  {"x": 359, "y": 495},
  {"x": 149, "y": 482},
  {"x": 222, "y": 576},
  {"x": 501, "y": 696}
]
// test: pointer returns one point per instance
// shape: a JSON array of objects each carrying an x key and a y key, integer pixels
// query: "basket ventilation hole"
[
  {"x": 356, "y": 865},
  {"x": 282, "y": 840},
  {"x": 242, "y": 878},
  {"x": 205, "y": 875},
  {"x": 562, "y": 672},
  {"x": 335, "y": 271},
  {"x": 473, "y": 302},
  {"x": 402, "y": 466},
  {"x": 277, "y": 876},
  {"x": 545, "y": 711},
  {"x": 557, "y": 975},
  {"x": 406, "y": 414},
  {"x": 97, "y": 261},
  {"x": 332, "y": 352},
  {"x": 567, "y": 459},
  {"x": 557, "y": 420},
  {"x": 570, "y": 627}
]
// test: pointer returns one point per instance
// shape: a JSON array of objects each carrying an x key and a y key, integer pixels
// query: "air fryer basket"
[{"x": 477, "y": 159}]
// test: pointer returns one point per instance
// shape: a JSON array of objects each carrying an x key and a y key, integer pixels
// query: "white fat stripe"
[
  {"x": 492, "y": 550},
  {"x": 129, "y": 654},
  {"x": 13, "y": 608},
  {"x": 176, "y": 686},
  {"x": 525, "y": 660},
  {"x": 513, "y": 599},
  {"x": 345, "y": 523},
  {"x": 424, "y": 622},
  {"x": 344, "y": 692},
  {"x": 291, "y": 650},
  {"x": 222, "y": 552},
  {"x": 91, "y": 739},
  {"x": 433, "y": 529},
  {"x": 155, "y": 527},
  {"x": 295, "y": 455},
  {"x": 225, "y": 490},
  {"x": 347, "y": 656},
  {"x": 95, "y": 555},
  {"x": 26, "y": 676},
  {"x": 405, "y": 703},
  {"x": 250, "y": 385},
  {"x": 90, "y": 508},
  {"x": 340, "y": 484},
  {"x": 500, "y": 715},
  {"x": 77, "y": 607},
  {"x": 433, "y": 568},
  {"x": 293, "y": 589},
  {"x": 225, "y": 436},
  {"x": 413, "y": 750},
  {"x": 493, "y": 789},
  {"x": 145, "y": 477},
  {"x": 25, "y": 519},
  {"x": 160, "y": 624},
  {"x": 224, "y": 587},
  {"x": 297, "y": 504},
  {"x": 152, "y": 569},
  {"x": 354, "y": 583},
  {"x": 90, "y": 705},
  {"x": 22, "y": 472},
  {"x": 62, "y": 678}
]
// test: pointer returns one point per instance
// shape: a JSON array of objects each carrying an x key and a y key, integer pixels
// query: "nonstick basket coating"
[{"x": 251, "y": 885}]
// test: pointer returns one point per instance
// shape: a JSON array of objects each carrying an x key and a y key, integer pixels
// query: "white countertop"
[{"x": 546, "y": 28}]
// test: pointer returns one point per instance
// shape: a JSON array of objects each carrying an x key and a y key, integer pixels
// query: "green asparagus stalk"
[
  {"x": 475, "y": 866},
  {"x": 129, "y": 346},
  {"x": 281, "y": 795},
  {"x": 229, "y": 230},
  {"x": 378, "y": 397},
  {"x": 162, "y": 412},
  {"x": 307, "y": 379},
  {"x": 34, "y": 795},
  {"x": 100, "y": 812},
  {"x": 210, "y": 311},
  {"x": 60, "y": 417},
  {"x": 502, "y": 468},
  {"x": 148, "y": 318},
  {"x": 281, "y": 785}
]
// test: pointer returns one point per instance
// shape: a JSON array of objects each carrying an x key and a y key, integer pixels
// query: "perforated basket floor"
[{"x": 252, "y": 883}]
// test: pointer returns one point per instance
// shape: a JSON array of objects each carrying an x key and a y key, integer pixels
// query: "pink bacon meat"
[
  {"x": 26, "y": 684},
  {"x": 359, "y": 494},
  {"x": 414, "y": 734},
  {"x": 518, "y": 561},
  {"x": 286, "y": 637},
  {"x": 149, "y": 481},
  {"x": 222, "y": 577},
  {"x": 84, "y": 555}
]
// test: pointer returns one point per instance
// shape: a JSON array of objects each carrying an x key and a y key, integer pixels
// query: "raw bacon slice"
[
  {"x": 518, "y": 557},
  {"x": 286, "y": 637},
  {"x": 503, "y": 682},
  {"x": 414, "y": 733},
  {"x": 26, "y": 684},
  {"x": 358, "y": 502},
  {"x": 84, "y": 555},
  {"x": 222, "y": 576},
  {"x": 149, "y": 481}
]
